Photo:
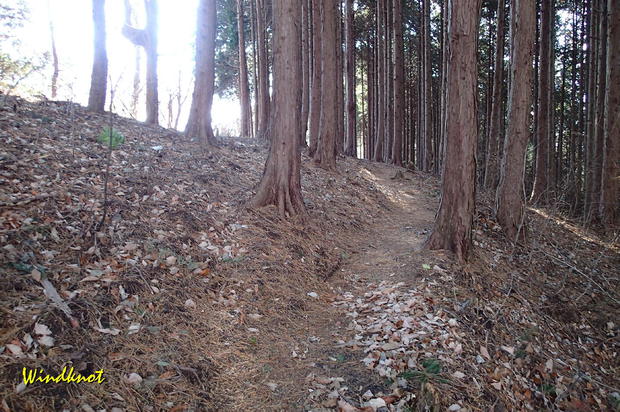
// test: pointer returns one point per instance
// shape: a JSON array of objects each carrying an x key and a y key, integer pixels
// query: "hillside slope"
[{"x": 188, "y": 301}]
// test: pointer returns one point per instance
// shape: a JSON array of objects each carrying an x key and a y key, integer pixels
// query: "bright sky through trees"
[{"x": 72, "y": 20}]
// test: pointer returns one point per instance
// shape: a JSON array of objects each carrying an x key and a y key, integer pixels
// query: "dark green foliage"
[
  {"x": 107, "y": 134},
  {"x": 431, "y": 370}
]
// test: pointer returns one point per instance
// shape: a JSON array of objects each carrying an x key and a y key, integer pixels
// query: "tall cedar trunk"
[
  {"x": 543, "y": 125},
  {"x": 510, "y": 201},
  {"x": 371, "y": 103},
  {"x": 325, "y": 155},
  {"x": 380, "y": 95},
  {"x": 558, "y": 164},
  {"x": 389, "y": 82},
  {"x": 254, "y": 66},
  {"x": 399, "y": 84},
  {"x": 591, "y": 65},
  {"x": 305, "y": 70},
  {"x": 419, "y": 111},
  {"x": 610, "y": 191},
  {"x": 99, "y": 76},
  {"x": 583, "y": 127},
  {"x": 199, "y": 123},
  {"x": 244, "y": 88},
  {"x": 315, "y": 98},
  {"x": 152, "y": 99},
  {"x": 452, "y": 229},
  {"x": 340, "y": 135},
  {"x": 54, "y": 85},
  {"x": 351, "y": 110},
  {"x": 444, "y": 76},
  {"x": 281, "y": 182},
  {"x": 427, "y": 135},
  {"x": 135, "y": 94},
  {"x": 147, "y": 38},
  {"x": 494, "y": 138},
  {"x": 388, "y": 113},
  {"x": 599, "y": 130},
  {"x": 263, "y": 70}
]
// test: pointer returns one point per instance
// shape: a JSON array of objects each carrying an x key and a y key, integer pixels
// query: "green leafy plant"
[
  {"x": 107, "y": 134},
  {"x": 431, "y": 370}
]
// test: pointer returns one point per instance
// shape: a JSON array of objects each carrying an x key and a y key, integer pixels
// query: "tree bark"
[
  {"x": 147, "y": 38},
  {"x": 99, "y": 76},
  {"x": 599, "y": 130},
  {"x": 452, "y": 229},
  {"x": 427, "y": 136},
  {"x": 305, "y": 69},
  {"x": 510, "y": 200},
  {"x": 152, "y": 98},
  {"x": 54, "y": 85},
  {"x": 351, "y": 142},
  {"x": 591, "y": 65},
  {"x": 380, "y": 95},
  {"x": 315, "y": 97},
  {"x": 494, "y": 139},
  {"x": 281, "y": 182},
  {"x": 399, "y": 84},
  {"x": 325, "y": 155},
  {"x": 199, "y": 123},
  {"x": 340, "y": 62},
  {"x": 263, "y": 70},
  {"x": 244, "y": 88},
  {"x": 609, "y": 209},
  {"x": 543, "y": 126}
]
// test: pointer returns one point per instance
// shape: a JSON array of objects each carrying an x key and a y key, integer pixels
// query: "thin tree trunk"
[
  {"x": 350, "y": 146},
  {"x": 199, "y": 123},
  {"x": 510, "y": 201},
  {"x": 452, "y": 229},
  {"x": 599, "y": 126},
  {"x": 427, "y": 135},
  {"x": 254, "y": 66},
  {"x": 99, "y": 76},
  {"x": 340, "y": 136},
  {"x": 610, "y": 191},
  {"x": 389, "y": 86},
  {"x": 306, "y": 54},
  {"x": 543, "y": 125},
  {"x": 325, "y": 155},
  {"x": 244, "y": 88},
  {"x": 315, "y": 98},
  {"x": 54, "y": 85},
  {"x": 135, "y": 95},
  {"x": 152, "y": 98},
  {"x": 381, "y": 95},
  {"x": 263, "y": 70},
  {"x": 399, "y": 84},
  {"x": 492, "y": 164},
  {"x": 591, "y": 65}
]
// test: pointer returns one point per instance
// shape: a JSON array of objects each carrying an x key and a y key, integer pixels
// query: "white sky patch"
[{"x": 73, "y": 28}]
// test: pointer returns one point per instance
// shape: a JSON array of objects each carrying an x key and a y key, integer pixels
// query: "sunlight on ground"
[
  {"x": 395, "y": 196},
  {"x": 576, "y": 230}
]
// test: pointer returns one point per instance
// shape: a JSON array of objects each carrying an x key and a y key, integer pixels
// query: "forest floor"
[{"x": 188, "y": 301}]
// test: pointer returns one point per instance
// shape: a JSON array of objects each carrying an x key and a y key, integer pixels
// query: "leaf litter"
[{"x": 200, "y": 304}]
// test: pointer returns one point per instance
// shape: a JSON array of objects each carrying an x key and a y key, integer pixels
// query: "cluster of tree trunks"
[{"x": 390, "y": 81}]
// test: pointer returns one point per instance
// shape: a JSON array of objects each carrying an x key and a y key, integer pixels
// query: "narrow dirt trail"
[
  {"x": 393, "y": 243},
  {"x": 388, "y": 251}
]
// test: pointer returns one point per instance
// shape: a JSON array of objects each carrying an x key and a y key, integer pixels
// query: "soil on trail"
[
  {"x": 391, "y": 246},
  {"x": 387, "y": 249}
]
